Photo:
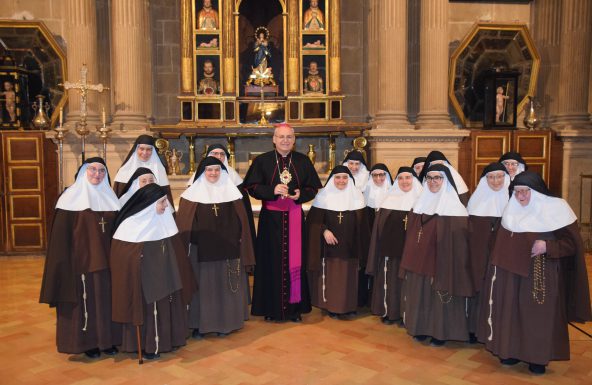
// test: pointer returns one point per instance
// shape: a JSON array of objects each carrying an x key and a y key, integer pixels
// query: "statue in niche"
[
  {"x": 313, "y": 83},
  {"x": 208, "y": 85},
  {"x": 9, "y": 100},
  {"x": 314, "y": 19},
  {"x": 207, "y": 18},
  {"x": 500, "y": 104},
  {"x": 261, "y": 74}
]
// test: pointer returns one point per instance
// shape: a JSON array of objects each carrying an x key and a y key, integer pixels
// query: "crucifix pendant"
[
  {"x": 405, "y": 221},
  {"x": 102, "y": 223},
  {"x": 340, "y": 216},
  {"x": 215, "y": 208},
  {"x": 419, "y": 233}
]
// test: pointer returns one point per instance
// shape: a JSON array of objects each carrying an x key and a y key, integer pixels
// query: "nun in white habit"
[
  {"x": 437, "y": 157},
  {"x": 76, "y": 278},
  {"x": 216, "y": 235},
  {"x": 221, "y": 153},
  {"x": 337, "y": 233},
  {"x": 152, "y": 281},
  {"x": 435, "y": 265},
  {"x": 355, "y": 162},
  {"x": 386, "y": 245},
  {"x": 485, "y": 212},
  {"x": 140, "y": 178}
]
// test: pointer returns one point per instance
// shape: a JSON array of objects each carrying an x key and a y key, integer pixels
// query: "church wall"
[{"x": 51, "y": 12}]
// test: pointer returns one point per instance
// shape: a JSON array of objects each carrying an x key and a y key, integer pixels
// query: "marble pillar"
[
  {"x": 574, "y": 66},
  {"x": 81, "y": 38},
  {"x": 391, "y": 69},
  {"x": 131, "y": 63},
  {"x": 433, "y": 67}
]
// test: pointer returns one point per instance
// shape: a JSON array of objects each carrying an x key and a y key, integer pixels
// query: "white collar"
[
  {"x": 83, "y": 195},
  {"x": 488, "y": 203},
  {"x": 147, "y": 225},
  {"x": 445, "y": 202},
  {"x": 154, "y": 164},
  {"x": 397, "y": 199},
  {"x": 542, "y": 214},
  {"x": 331, "y": 198},
  {"x": 202, "y": 191}
]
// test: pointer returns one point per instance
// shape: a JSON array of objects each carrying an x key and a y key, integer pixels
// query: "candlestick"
[
  {"x": 61, "y": 116},
  {"x": 104, "y": 117}
]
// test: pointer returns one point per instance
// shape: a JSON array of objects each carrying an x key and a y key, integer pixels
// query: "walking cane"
[{"x": 140, "y": 359}]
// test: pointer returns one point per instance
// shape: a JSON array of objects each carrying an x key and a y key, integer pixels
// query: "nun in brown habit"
[
  {"x": 537, "y": 281},
  {"x": 152, "y": 279},
  {"x": 216, "y": 235},
  {"x": 76, "y": 279},
  {"x": 485, "y": 213},
  {"x": 386, "y": 245},
  {"x": 337, "y": 233},
  {"x": 435, "y": 265}
]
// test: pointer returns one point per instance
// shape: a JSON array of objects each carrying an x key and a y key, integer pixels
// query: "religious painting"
[
  {"x": 313, "y": 15},
  {"x": 207, "y": 16},
  {"x": 314, "y": 74},
  {"x": 501, "y": 98},
  {"x": 207, "y": 42},
  {"x": 208, "y": 75}
]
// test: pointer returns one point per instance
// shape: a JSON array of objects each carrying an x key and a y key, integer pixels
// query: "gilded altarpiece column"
[
  {"x": 228, "y": 46},
  {"x": 293, "y": 48},
  {"x": 335, "y": 46},
  {"x": 186, "y": 48}
]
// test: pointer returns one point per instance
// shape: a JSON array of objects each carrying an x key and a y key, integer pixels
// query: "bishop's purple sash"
[{"x": 295, "y": 241}]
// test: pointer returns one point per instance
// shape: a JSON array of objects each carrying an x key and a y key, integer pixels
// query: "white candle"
[
  {"x": 61, "y": 116},
  {"x": 104, "y": 117}
]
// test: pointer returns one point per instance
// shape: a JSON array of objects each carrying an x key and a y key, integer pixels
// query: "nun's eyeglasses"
[
  {"x": 436, "y": 178},
  {"x": 94, "y": 170},
  {"x": 522, "y": 191},
  {"x": 510, "y": 163},
  {"x": 379, "y": 175}
]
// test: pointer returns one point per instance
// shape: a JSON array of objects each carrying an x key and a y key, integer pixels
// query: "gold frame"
[
  {"x": 41, "y": 236},
  {"x": 536, "y": 62},
  {"x": 39, "y": 206},
  {"x": 10, "y": 177},
  {"x": 48, "y": 35},
  {"x": 324, "y": 52},
  {"x": 206, "y": 51},
  {"x": 26, "y": 139}
]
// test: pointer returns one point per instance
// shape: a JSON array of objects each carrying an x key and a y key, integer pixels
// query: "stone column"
[
  {"x": 228, "y": 47},
  {"x": 574, "y": 66},
  {"x": 335, "y": 47},
  {"x": 546, "y": 31},
  {"x": 433, "y": 65},
  {"x": 392, "y": 66},
  {"x": 372, "y": 58},
  {"x": 131, "y": 62},
  {"x": 186, "y": 48},
  {"x": 81, "y": 39}
]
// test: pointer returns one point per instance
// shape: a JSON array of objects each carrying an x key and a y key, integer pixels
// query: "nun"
[
  {"x": 386, "y": 245},
  {"x": 355, "y": 162},
  {"x": 337, "y": 233},
  {"x": 215, "y": 231},
  {"x": 76, "y": 279},
  {"x": 437, "y": 157},
  {"x": 142, "y": 154},
  {"x": 221, "y": 153},
  {"x": 435, "y": 263},
  {"x": 514, "y": 163},
  {"x": 140, "y": 178},
  {"x": 485, "y": 208},
  {"x": 152, "y": 279},
  {"x": 379, "y": 183},
  {"x": 537, "y": 281},
  {"x": 417, "y": 165}
]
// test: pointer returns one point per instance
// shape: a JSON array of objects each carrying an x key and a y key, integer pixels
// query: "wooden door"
[{"x": 23, "y": 202}]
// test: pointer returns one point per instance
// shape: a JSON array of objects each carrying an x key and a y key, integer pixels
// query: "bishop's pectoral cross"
[
  {"x": 419, "y": 233},
  {"x": 405, "y": 221},
  {"x": 340, "y": 216},
  {"x": 102, "y": 223},
  {"x": 215, "y": 208}
]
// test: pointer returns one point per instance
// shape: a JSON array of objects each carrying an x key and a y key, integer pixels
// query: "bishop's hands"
[
  {"x": 283, "y": 191},
  {"x": 329, "y": 237},
  {"x": 539, "y": 247}
]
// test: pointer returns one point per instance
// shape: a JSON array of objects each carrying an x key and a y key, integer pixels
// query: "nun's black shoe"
[
  {"x": 296, "y": 319},
  {"x": 472, "y": 338},
  {"x": 111, "y": 351},
  {"x": 93, "y": 353},
  {"x": 196, "y": 334},
  {"x": 536, "y": 368},
  {"x": 387, "y": 321},
  {"x": 509, "y": 361},
  {"x": 436, "y": 342},
  {"x": 268, "y": 318},
  {"x": 333, "y": 315},
  {"x": 151, "y": 356},
  {"x": 222, "y": 334},
  {"x": 420, "y": 338}
]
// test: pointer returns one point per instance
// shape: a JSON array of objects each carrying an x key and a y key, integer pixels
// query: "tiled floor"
[{"x": 319, "y": 351}]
